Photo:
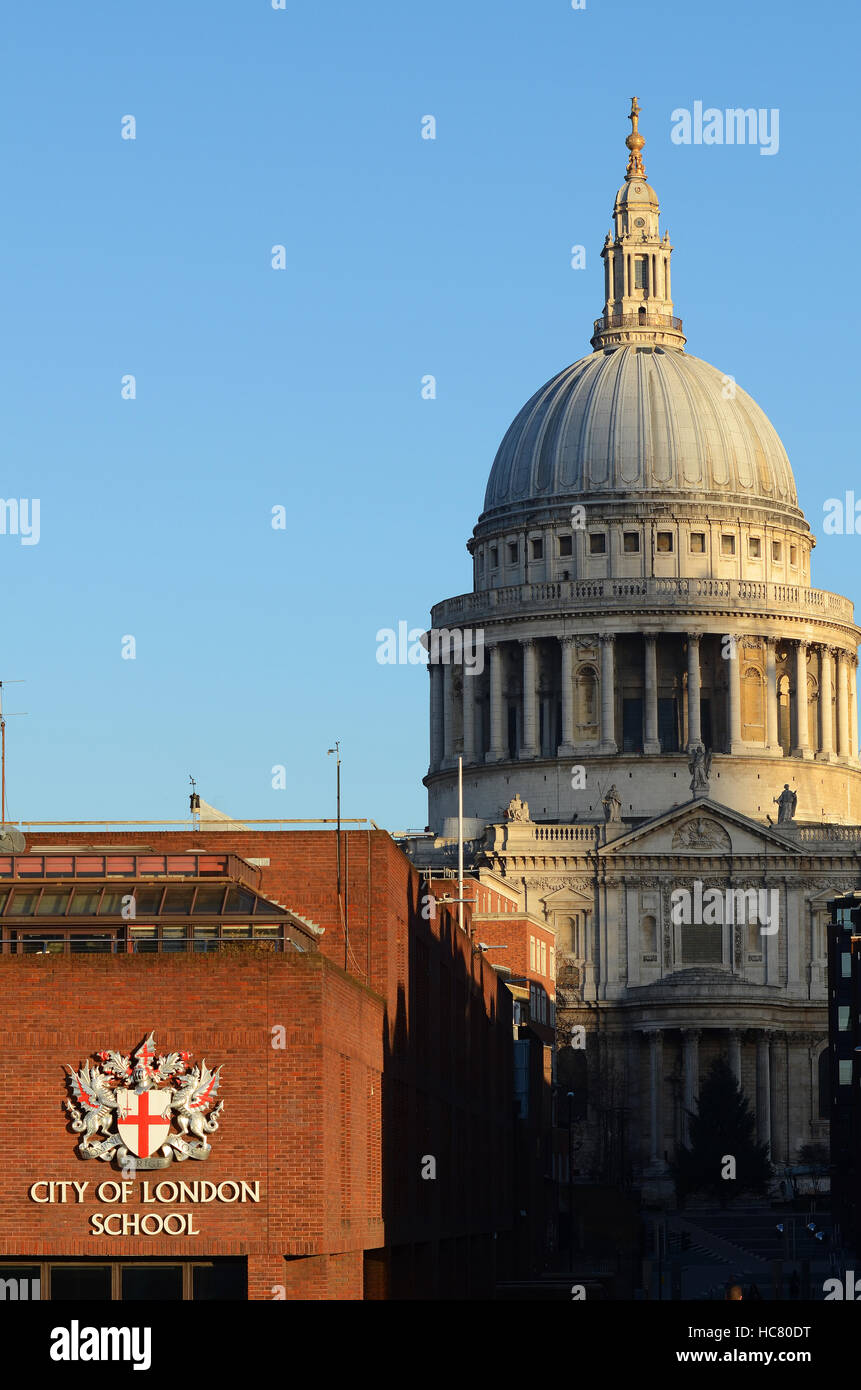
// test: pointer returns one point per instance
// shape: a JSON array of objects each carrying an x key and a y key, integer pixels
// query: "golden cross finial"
[{"x": 635, "y": 142}]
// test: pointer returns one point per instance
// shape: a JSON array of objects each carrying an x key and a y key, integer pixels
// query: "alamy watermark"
[
  {"x": 735, "y": 126},
  {"x": 716, "y": 906},
  {"x": 20, "y": 517},
  {"x": 440, "y": 646}
]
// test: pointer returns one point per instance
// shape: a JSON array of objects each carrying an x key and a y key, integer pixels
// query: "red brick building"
[{"x": 365, "y": 1146}]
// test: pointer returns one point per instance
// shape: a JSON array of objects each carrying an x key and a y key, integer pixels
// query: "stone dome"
[{"x": 645, "y": 421}]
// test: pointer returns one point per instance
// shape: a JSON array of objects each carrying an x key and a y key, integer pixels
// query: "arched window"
[
  {"x": 753, "y": 706},
  {"x": 649, "y": 936},
  {"x": 587, "y": 702},
  {"x": 783, "y": 715}
]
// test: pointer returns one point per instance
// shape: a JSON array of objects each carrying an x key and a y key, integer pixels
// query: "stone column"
[
  {"x": 608, "y": 693},
  {"x": 734, "y": 697},
  {"x": 470, "y": 694},
  {"x": 436, "y": 716},
  {"x": 842, "y": 705},
  {"x": 826, "y": 692},
  {"x": 651, "y": 743},
  {"x": 802, "y": 739},
  {"x": 448, "y": 715},
  {"x": 498, "y": 751},
  {"x": 851, "y": 681},
  {"x": 691, "y": 1064},
  {"x": 771, "y": 734},
  {"x": 567, "y": 749},
  {"x": 778, "y": 1058},
  {"x": 735, "y": 1054},
  {"x": 763, "y": 1090},
  {"x": 656, "y": 1081},
  {"x": 529, "y": 734},
  {"x": 694, "y": 734}
]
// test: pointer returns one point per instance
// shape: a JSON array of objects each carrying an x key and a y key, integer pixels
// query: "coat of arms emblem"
[{"x": 126, "y": 1107}]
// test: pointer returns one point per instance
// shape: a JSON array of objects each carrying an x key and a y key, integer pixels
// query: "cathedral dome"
[{"x": 641, "y": 420}]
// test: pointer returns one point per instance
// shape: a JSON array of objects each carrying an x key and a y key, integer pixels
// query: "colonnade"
[
  {"x": 835, "y": 737},
  {"x": 771, "y": 1085}
]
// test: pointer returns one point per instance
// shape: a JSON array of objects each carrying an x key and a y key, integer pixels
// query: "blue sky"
[{"x": 301, "y": 388}]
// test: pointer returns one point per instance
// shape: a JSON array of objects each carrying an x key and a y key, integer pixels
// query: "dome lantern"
[{"x": 638, "y": 307}]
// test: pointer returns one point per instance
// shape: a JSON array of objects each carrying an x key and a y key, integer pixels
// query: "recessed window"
[
  {"x": 597, "y": 543},
  {"x": 754, "y": 547},
  {"x": 631, "y": 542},
  {"x": 776, "y": 551},
  {"x": 538, "y": 550},
  {"x": 565, "y": 545},
  {"x": 494, "y": 557},
  {"x": 727, "y": 545},
  {"x": 793, "y": 554},
  {"x": 513, "y": 552},
  {"x": 698, "y": 542},
  {"x": 664, "y": 541},
  {"x": 641, "y": 280}
]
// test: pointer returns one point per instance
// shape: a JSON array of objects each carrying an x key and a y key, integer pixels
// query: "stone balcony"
[{"x": 600, "y": 596}]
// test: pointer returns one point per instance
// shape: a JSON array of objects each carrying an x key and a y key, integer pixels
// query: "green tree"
[{"x": 721, "y": 1130}]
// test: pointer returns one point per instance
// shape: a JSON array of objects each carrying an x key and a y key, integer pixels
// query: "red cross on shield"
[{"x": 143, "y": 1119}]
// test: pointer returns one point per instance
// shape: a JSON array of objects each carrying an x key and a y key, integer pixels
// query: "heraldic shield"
[{"x": 143, "y": 1119}]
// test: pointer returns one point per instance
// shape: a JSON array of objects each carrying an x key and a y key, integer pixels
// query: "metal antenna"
[{"x": 3, "y": 718}]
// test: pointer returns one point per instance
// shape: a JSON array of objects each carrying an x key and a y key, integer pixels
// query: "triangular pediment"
[
  {"x": 703, "y": 827},
  {"x": 565, "y": 899}
]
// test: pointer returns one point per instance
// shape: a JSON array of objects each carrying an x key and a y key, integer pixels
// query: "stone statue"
[
  {"x": 612, "y": 803},
  {"x": 516, "y": 809},
  {"x": 786, "y": 804},
  {"x": 699, "y": 767}
]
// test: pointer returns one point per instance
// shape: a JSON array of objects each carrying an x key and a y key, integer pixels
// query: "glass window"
[
  {"x": 538, "y": 550},
  {"x": 513, "y": 552},
  {"x": 49, "y": 943},
  {"x": 85, "y": 902},
  {"x": 727, "y": 545},
  {"x": 177, "y": 900},
  {"x": 845, "y": 1072},
  {"x": 566, "y": 546},
  {"x": 846, "y": 965},
  {"x": 793, "y": 555},
  {"x": 698, "y": 542},
  {"x": 776, "y": 550},
  {"x": 664, "y": 541},
  {"x": 147, "y": 899},
  {"x": 143, "y": 938},
  {"x": 494, "y": 557},
  {"x": 53, "y": 903},
  {"x": 21, "y": 1282},
  {"x": 163, "y": 1282},
  {"x": 112, "y": 902},
  {"x": 173, "y": 938},
  {"x": 208, "y": 901},
  {"x": 597, "y": 543},
  {"x": 754, "y": 547},
  {"x": 631, "y": 542},
  {"x": 205, "y": 938},
  {"x": 23, "y": 902},
  {"x": 235, "y": 933},
  {"x": 262, "y": 933},
  {"x": 89, "y": 1282},
  {"x": 641, "y": 279},
  {"x": 220, "y": 1281},
  {"x": 238, "y": 900},
  {"x": 99, "y": 942},
  {"x": 842, "y": 1017}
]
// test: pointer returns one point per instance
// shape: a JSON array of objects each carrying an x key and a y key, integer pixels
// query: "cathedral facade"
[{"x": 659, "y": 747}]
